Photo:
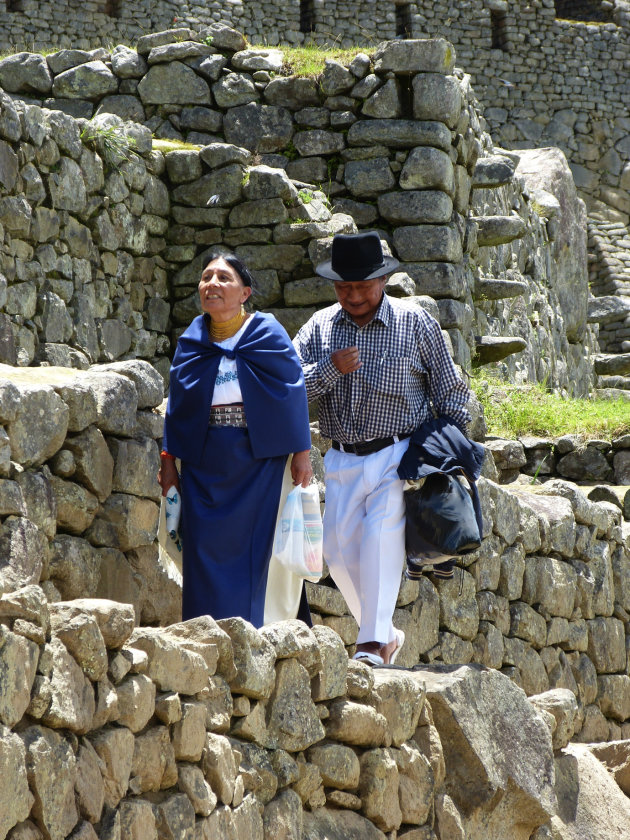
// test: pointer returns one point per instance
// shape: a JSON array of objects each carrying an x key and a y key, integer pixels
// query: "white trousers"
[{"x": 364, "y": 535}]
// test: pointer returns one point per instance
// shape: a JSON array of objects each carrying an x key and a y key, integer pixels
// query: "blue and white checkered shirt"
[{"x": 406, "y": 376}]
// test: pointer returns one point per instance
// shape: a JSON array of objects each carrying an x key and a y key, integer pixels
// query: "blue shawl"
[{"x": 271, "y": 381}]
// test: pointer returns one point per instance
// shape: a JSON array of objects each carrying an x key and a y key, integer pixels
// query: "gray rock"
[
  {"x": 51, "y": 766},
  {"x": 91, "y": 80},
  {"x": 493, "y": 171},
  {"x": 427, "y": 168},
  {"x": 434, "y": 55},
  {"x": 234, "y": 89},
  {"x": 436, "y": 96},
  {"x": 292, "y": 92},
  {"x": 492, "y": 348},
  {"x": 127, "y": 63},
  {"x": 416, "y": 207},
  {"x": 222, "y": 36},
  {"x": 260, "y": 128},
  {"x": 318, "y": 142},
  {"x": 25, "y": 72},
  {"x": 226, "y": 183},
  {"x": 335, "y": 78},
  {"x": 258, "y": 59},
  {"x": 498, "y": 230},
  {"x": 428, "y": 243},
  {"x": 179, "y": 51},
  {"x": 173, "y": 83},
  {"x": 385, "y": 103},
  {"x": 126, "y": 107},
  {"x": 366, "y": 178},
  {"x": 399, "y": 134}
]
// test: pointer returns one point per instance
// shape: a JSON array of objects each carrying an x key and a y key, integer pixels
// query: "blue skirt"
[{"x": 229, "y": 506}]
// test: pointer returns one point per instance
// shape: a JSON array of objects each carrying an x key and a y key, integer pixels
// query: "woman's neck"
[{"x": 220, "y": 330}]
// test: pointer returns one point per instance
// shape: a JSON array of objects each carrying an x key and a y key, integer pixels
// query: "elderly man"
[{"x": 379, "y": 369}]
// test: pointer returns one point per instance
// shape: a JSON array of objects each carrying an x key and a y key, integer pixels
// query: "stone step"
[
  {"x": 617, "y": 382},
  {"x": 499, "y": 230},
  {"x": 493, "y": 348},
  {"x": 493, "y": 171},
  {"x": 491, "y": 288},
  {"x": 611, "y": 364}
]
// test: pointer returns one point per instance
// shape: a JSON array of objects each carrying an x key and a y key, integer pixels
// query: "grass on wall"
[
  {"x": 515, "y": 410},
  {"x": 309, "y": 60}
]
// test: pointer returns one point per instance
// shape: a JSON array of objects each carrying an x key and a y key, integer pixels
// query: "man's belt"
[{"x": 367, "y": 447}]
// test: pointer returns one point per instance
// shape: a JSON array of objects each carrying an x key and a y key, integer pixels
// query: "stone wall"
[
  {"x": 79, "y": 498},
  {"x": 113, "y": 729},
  {"x": 280, "y": 164}
]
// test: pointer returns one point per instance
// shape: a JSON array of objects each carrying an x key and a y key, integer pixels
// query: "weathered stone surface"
[
  {"x": 51, "y": 767},
  {"x": 136, "y": 701},
  {"x": 39, "y": 429},
  {"x": 171, "y": 666},
  {"x": 260, "y": 128},
  {"x": 74, "y": 566},
  {"x": 116, "y": 402},
  {"x": 18, "y": 662},
  {"x": 582, "y": 783},
  {"x": 125, "y": 522},
  {"x": 76, "y": 506},
  {"x": 81, "y": 635},
  {"x": 606, "y": 646},
  {"x": 89, "y": 787},
  {"x": 378, "y": 789},
  {"x": 254, "y": 658},
  {"x": 548, "y": 169},
  {"x": 437, "y": 97},
  {"x": 428, "y": 243},
  {"x": 292, "y": 720},
  {"x": 435, "y": 55},
  {"x": 355, "y": 724},
  {"x": 173, "y": 83},
  {"x": 416, "y": 783},
  {"x": 498, "y": 230},
  {"x": 427, "y": 168},
  {"x": 562, "y": 704},
  {"x": 91, "y": 80},
  {"x": 399, "y": 134},
  {"x": 153, "y": 767},
  {"x": 25, "y": 72},
  {"x": 115, "y": 748},
  {"x": 23, "y": 553},
  {"x": 282, "y": 818},
  {"x": 219, "y": 767},
  {"x": 493, "y": 171},
  {"x": 523, "y": 771},
  {"x": 330, "y": 680},
  {"x": 397, "y": 698}
]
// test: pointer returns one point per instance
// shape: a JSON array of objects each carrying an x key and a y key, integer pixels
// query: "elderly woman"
[{"x": 237, "y": 408}]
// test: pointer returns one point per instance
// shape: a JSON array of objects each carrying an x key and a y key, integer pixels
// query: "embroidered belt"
[
  {"x": 367, "y": 447},
  {"x": 228, "y": 415}
]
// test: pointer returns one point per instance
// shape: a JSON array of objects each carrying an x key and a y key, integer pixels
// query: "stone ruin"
[{"x": 120, "y": 721}]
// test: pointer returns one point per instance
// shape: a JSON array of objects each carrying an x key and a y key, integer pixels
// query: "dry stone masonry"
[
  {"x": 279, "y": 165},
  {"x": 117, "y": 720}
]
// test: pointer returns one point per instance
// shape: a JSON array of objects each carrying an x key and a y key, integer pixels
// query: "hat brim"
[{"x": 325, "y": 269}]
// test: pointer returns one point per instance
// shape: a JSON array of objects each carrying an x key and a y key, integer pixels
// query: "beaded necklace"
[{"x": 220, "y": 330}]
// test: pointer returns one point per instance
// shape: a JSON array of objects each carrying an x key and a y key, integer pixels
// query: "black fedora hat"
[{"x": 357, "y": 256}]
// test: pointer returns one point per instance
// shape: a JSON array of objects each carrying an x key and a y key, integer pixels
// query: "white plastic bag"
[
  {"x": 298, "y": 539},
  {"x": 173, "y": 513}
]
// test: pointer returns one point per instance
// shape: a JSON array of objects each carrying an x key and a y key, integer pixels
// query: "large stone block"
[
  {"x": 171, "y": 666},
  {"x": 428, "y": 243},
  {"x": 125, "y": 522},
  {"x": 18, "y": 661},
  {"x": 437, "y": 97},
  {"x": 431, "y": 55},
  {"x": 51, "y": 767},
  {"x": 175, "y": 84}
]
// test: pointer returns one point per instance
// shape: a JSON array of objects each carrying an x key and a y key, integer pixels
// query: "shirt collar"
[{"x": 384, "y": 313}]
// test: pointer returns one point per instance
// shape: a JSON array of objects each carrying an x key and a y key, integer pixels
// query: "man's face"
[{"x": 360, "y": 298}]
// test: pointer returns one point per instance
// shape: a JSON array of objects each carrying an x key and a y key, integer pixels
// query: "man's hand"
[
  {"x": 346, "y": 360},
  {"x": 301, "y": 469}
]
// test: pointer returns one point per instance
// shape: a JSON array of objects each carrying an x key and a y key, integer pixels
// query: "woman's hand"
[
  {"x": 167, "y": 474},
  {"x": 301, "y": 469}
]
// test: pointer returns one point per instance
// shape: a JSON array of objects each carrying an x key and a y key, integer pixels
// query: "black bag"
[{"x": 441, "y": 521}]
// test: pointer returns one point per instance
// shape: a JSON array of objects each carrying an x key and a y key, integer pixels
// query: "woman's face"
[{"x": 221, "y": 290}]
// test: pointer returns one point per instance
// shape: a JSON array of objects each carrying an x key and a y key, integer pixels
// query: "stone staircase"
[{"x": 609, "y": 279}]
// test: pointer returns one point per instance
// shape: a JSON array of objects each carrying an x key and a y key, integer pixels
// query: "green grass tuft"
[
  {"x": 512, "y": 411},
  {"x": 309, "y": 59}
]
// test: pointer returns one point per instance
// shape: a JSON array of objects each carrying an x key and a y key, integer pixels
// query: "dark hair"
[{"x": 239, "y": 267}]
